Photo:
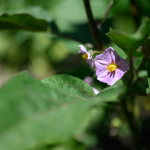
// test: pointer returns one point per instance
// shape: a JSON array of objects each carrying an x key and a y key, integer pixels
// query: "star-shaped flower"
[
  {"x": 86, "y": 55},
  {"x": 110, "y": 67}
]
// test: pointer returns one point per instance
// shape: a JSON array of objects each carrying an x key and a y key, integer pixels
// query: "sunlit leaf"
[
  {"x": 70, "y": 85},
  {"x": 32, "y": 111}
]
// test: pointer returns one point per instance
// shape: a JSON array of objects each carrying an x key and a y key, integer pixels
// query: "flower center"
[
  {"x": 112, "y": 67},
  {"x": 85, "y": 56}
]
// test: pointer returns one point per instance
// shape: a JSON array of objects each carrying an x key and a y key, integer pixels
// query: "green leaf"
[
  {"x": 115, "y": 1},
  {"x": 131, "y": 42},
  {"x": 146, "y": 48},
  {"x": 112, "y": 93},
  {"x": 70, "y": 85},
  {"x": 25, "y": 22},
  {"x": 32, "y": 111}
]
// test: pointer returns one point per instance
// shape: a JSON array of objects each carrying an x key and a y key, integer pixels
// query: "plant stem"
[
  {"x": 134, "y": 12},
  {"x": 95, "y": 33},
  {"x": 136, "y": 72},
  {"x": 128, "y": 117},
  {"x": 131, "y": 62},
  {"x": 99, "y": 26},
  {"x": 131, "y": 67},
  {"x": 143, "y": 61}
]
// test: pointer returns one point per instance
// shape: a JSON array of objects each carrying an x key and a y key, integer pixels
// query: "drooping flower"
[
  {"x": 89, "y": 80},
  {"x": 96, "y": 91},
  {"x": 86, "y": 55},
  {"x": 110, "y": 67}
]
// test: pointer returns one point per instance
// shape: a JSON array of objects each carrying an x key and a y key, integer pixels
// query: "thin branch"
[
  {"x": 134, "y": 12},
  {"x": 99, "y": 26},
  {"x": 95, "y": 33},
  {"x": 52, "y": 28},
  {"x": 131, "y": 67}
]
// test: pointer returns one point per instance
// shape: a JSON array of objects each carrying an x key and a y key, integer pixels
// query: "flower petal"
[
  {"x": 82, "y": 50},
  {"x": 95, "y": 90},
  {"x": 107, "y": 57},
  {"x": 101, "y": 73},
  {"x": 123, "y": 65},
  {"x": 114, "y": 55},
  {"x": 104, "y": 60},
  {"x": 89, "y": 55},
  {"x": 89, "y": 80},
  {"x": 100, "y": 63},
  {"x": 108, "y": 78},
  {"x": 90, "y": 62}
]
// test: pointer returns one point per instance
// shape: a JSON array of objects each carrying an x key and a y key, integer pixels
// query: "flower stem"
[{"x": 95, "y": 33}]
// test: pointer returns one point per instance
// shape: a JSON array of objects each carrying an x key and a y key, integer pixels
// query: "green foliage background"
[{"x": 48, "y": 106}]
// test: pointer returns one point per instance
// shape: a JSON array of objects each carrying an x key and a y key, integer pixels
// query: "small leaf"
[{"x": 130, "y": 43}]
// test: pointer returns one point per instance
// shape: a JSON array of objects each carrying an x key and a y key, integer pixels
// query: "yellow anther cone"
[
  {"x": 112, "y": 67},
  {"x": 85, "y": 56}
]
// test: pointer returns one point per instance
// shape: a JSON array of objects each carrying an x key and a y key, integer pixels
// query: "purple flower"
[
  {"x": 96, "y": 91},
  {"x": 86, "y": 55},
  {"x": 89, "y": 80},
  {"x": 110, "y": 67}
]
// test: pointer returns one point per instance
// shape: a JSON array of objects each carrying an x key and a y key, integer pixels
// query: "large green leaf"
[
  {"x": 112, "y": 93},
  {"x": 31, "y": 111},
  {"x": 76, "y": 87},
  {"x": 70, "y": 85},
  {"x": 130, "y": 42},
  {"x": 24, "y": 22}
]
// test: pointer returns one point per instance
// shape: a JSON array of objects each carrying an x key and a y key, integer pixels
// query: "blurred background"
[{"x": 45, "y": 54}]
